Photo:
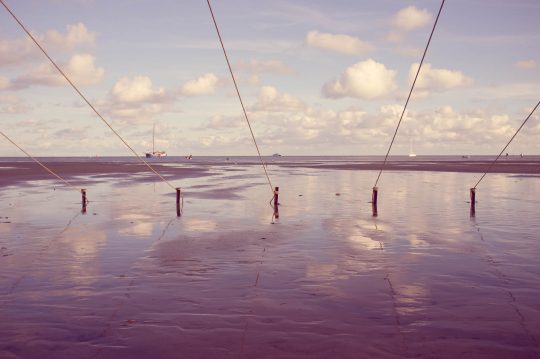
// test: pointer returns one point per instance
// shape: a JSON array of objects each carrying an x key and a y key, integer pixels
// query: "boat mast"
[{"x": 153, "y": 137}]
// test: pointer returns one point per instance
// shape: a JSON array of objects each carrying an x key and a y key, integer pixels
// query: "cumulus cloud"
[
  {"x": 526, "y": 64},
  {"x": 445, "y": 127},
  {"x": 436, "y": 130},
  {"x": 344, "y": 44},
  {"x": 19, "y": 51},
  {"x": 204, "y": 85},
  {"x": 138, "y": 89},
  {"x": 81, "y": 69},
  {"x": 411, "y": 18},
  {"x": 408, "y": 19},
  {"x": 136, "y": 100},
  {"x": 432, "y": 79},
  {"x": 76, "y": 35},
  {"x": 366, "y": 80},
  {"x": 271, "y": 100},
  {"x": 314, "y": 127},
  {"x": 309, "y": 130}
]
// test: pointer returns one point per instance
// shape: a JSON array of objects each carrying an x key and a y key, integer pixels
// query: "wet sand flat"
[
  {"x": 15, "y": 171},
  {"x": 129, "y": 279}
]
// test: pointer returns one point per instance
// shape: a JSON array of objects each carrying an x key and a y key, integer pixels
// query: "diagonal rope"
[
  {"x": 410, "y": 93},
  {"x": 40, "y": 163},
  {"x": 239, "y": 97},
  {"x": 511, "y": 139},
  {"x": 81, "y": 94}
]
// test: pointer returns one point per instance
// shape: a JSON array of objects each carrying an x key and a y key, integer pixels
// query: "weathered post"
[
  {"x": 84, "y": 200},
  {"x": 374, "y": 196},
  {"x": 178, "y": 196},
  {"x": 473, "y": 201},
  {"x": 276, "y": 196}
]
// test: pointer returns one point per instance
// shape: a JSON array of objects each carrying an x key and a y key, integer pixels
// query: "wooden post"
[
  {"x": 178, "y": 196},
  {"x": 276, "y": 197},
  {"x": 84, "y": 200},
  {"x": 374, "y": 196},
  {"x": 473, "y": 201}
]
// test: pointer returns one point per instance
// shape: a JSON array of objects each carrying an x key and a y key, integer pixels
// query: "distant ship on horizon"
[{"x": 155, "y": 153}]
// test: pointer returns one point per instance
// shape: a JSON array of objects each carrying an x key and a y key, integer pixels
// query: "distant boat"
[
  {"x": 465, "y": 156},
  {"x": 155, "y": 153},
  {"x": 189, "y": 157},
  {"x": 276, "y": 155},
  {"x": 411, "y": 152}
]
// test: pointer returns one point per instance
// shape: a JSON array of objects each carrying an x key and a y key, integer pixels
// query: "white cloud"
[
  {"x": 76, "y": 35},
  {"x": 344, "y": 44},
  {"x": 446, "y": 127},
  {"x": 314, "y": 127},
  {"x": 81, "y": 69},
  {"x": 138, "y": 89},
  {"x": 405, "y": 20},
  {"x": 20, "y": 51},
  {"x": 271, "y": 100},
  {"x": 204, "y": 85},
  {"x": 526, "y": 64},
  {"x": 136, "y": 100},
  {"x": 411, "y": 18},
  {"x": 438, "y": 130},
  {"x": 431, "y": 79},
  {"x": 367, "y": 80}
]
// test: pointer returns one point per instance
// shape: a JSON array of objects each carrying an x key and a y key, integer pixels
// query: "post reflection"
[
  {"x": 374, "y": 212},
  {"x": 275, "y": 215}
]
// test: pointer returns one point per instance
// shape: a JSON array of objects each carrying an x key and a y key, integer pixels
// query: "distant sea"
[{"x": 276, "y": 159}]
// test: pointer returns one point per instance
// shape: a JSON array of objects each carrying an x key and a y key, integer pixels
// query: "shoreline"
[{"x": 15, "y": 172}]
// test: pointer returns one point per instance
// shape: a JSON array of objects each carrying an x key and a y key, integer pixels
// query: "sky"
[{"x": 316, "y": 77}]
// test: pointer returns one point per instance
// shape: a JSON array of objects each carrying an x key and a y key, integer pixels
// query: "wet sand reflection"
[{"x": 131, "y": 280}]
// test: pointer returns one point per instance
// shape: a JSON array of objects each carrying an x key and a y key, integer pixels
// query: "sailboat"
[
  {"x": 155, "y": 153},
  {"x": 411, "y": 152}
]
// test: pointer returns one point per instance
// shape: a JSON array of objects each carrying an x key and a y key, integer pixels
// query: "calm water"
[{"x": 129, "y": 279}]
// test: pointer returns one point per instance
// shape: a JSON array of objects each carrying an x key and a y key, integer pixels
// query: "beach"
[{"x": 128, "y": 278}]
